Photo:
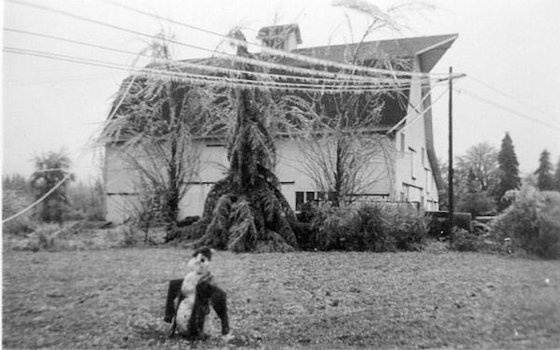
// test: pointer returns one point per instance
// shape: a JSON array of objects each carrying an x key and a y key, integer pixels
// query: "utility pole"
[{"x": 450, "y": 170}]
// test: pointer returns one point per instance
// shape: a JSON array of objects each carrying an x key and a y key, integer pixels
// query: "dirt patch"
[{"x": 115, "y": 299}]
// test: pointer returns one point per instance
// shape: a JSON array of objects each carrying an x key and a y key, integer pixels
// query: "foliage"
[
  {"x": 370, "y": 227},
  {"x": 475, "y": 200},
  {"x": 545, "y": 180},
  {"x": 18, "y": 183},
  {"x": 465, "y": 241},
  {"x": 246, "y": 211},
  {"x": 346, "y": 163},
  {"x": 80, "y": 235},
  {"x": 508, "y": 172},
  {"x": 86, "y": 201},
  {"x": 155, "y": 120},
  {"x": 557, "y": 177},
  {"x": 439, "y": 227},
  {"x": 532, "y": 223},
  {"x": 475, "y": 178},
  {"x": 341, "y": 152},
  {"x": 52, "y": 174},
  {"x": 13, "y": 202},
  {"x": 482, "y": 160}
]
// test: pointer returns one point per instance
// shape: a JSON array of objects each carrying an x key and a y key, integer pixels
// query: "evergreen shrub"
[
  {"x": 532, "y": 223},
  {"x": 465, "y": 241},
  {"x": 369, "y": 227}
]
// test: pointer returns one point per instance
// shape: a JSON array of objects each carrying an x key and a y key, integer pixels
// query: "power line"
[
  {"x": 195, "y": 66},
  {"x": 422, "y": 113},
  {"x": 282, "y": 53},
  {"x": 236, "y": 58},
  {"x": 230, "y": 56},
  {"x": 206, "y": 79},
  {"x": 507, "y": 109},
  {"x": 514, "y": 98}
]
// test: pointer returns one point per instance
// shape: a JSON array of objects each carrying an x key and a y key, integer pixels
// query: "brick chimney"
[{"x": 281, "y": 37}]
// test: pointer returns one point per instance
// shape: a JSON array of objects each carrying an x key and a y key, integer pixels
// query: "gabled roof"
[{"x": 430, "y": 48}]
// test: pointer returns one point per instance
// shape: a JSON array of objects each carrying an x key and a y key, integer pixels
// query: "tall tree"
[
  {"x": 475, "y": 178},
  {"x": 50, "y": 179},
  {"x": 155, "y": 120},
  {"x": 246, "y": 211},
  {"x": 482, "y": 160},
  {"x": 346, "y": 157},
  {"x": 545, "y": 181},
  {"x": 557, "y": 176},
  {"x": 472, "y": 198},
  {"x": 508, "y": 174}
]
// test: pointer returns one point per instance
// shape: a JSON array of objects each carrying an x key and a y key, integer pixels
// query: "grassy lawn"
[{"x": 115, "y": 299}]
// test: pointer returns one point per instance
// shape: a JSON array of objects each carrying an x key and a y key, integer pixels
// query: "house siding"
[{"x": 414, "y": 170}]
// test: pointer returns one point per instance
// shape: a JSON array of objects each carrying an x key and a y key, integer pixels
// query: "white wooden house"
[{"x": 411, "y": 174}]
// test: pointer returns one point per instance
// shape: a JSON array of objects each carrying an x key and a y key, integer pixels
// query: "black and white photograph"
[{"x": 280, "y": 174}]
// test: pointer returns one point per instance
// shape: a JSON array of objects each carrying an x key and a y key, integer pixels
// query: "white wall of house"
[
  {"x": 414, "y": 176},
  {"x": 123, "y": 191},
  {"x": 296, "y": 179},
  {"x": 120, "y": 188},
  {"x": 213, "y": 167}
]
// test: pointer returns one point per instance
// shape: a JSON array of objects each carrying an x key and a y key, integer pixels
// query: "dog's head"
[{"x": 200, "y": 260}]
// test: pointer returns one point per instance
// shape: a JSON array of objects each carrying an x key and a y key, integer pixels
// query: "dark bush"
[
  {"x": 307, "y": 213},
  {"x": 305, "y": 234},
  {"x": 187, "y": 221},
  {"x": 195, "y": 230},
  {"x": 438, "y": 226},
  {"x": 372, "y": 227},
  {"x": 465, "y": 241},
  {"x": 532, "y": 223}
]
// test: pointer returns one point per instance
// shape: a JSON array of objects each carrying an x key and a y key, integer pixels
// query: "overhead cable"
[
  {"x": 232, "y": 57},
  {"x": 281, "y": 53},
  {"x": 511, "y": 97},
  {"x": 507, "y": 109},
  {"x": 209, "y": 80},
  {"x": 209, "y": 68}
]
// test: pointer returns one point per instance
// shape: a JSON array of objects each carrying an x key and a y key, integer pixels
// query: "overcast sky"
[{"x": 509, "y": 49}]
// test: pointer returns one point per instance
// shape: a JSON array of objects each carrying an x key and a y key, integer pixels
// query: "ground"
[{"x": 114, "y": 298}]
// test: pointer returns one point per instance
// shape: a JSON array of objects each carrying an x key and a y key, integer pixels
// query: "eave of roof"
[{"x": 385, "y": 49}]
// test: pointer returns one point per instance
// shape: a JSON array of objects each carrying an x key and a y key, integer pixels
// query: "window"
[
  {"x": 423, "y": 156},
  {"x": 428, "y": 181},
  {"x": 412, "y": 156},
  {"x": 402, "y": 142},
  {"x": 309, "y": 196},
  {"x": 299, "y": 200}
]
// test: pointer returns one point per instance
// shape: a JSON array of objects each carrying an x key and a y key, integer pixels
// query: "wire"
[
  {"x": 424, "y": 111},
  {"x": 221, "y": 53},
  {"x": 507, "y": 109},
  {"x": 509, "y": 96},
  {"x": 403, "y": 120},
  {"x": 32, "y": 205},
  {"x": 210, "y": 68},
  {"x": 205, "y": 79},
  {"x": 277, "y": 52}
]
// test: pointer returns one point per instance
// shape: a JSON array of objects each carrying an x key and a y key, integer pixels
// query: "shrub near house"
[
  {"x": 532, "y": 223},
  {"x": 368, "y": 227}
]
